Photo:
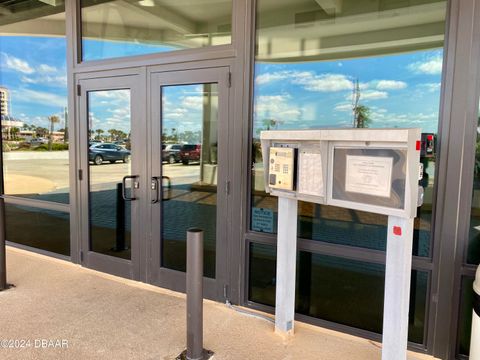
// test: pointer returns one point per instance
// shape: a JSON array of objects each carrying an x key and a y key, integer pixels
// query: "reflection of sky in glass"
[
  {"x": 400, "y": 91},
  {"x": 34, "y": 71},
  {"x": 101, "y": 49},
  {"x": 183, "y": 107},
  {"x": 109, "y": 109}
]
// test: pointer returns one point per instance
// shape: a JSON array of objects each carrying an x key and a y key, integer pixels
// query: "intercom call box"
[
  {"x": 282, "y": 163},
  {"x": 374, "y": 170}
]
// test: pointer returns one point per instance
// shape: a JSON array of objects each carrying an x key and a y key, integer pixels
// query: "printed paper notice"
[
  {"x": 310, "y": 180},
  {"x": 370, "y": 175}
]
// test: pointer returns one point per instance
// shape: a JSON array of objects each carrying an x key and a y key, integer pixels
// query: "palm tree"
[
  {"x": 362, "y": 116},
  {"x": 53, "y": 119},
  {"x": 99, "y": 133},
  {"x": 113, "y": 134},
  {"x": 361, "y": 113},
  {"x": 41, "y": 131},
  {"x": 14, "y": 131}
]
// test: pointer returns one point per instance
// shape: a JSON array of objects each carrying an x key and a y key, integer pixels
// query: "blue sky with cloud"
[{"x": 400, "y": 90}]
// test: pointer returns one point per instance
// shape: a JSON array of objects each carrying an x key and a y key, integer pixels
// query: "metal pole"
[
  {"x": 3, "y": 263},
  {"x": 286, "y": 266},
  {"x": 475, "y": 339},
  {"x": 120, "y": 215},
  {"x": 398, "y": 270},
  {"x": 195, "y": 294}
]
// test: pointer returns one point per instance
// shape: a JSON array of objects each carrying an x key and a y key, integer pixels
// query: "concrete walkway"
[{"x": 98, "y": 316}]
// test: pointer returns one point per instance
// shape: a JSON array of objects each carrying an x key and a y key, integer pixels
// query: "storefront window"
[
  {"x": 38, "y": 228},
  {"x": 344, "y": 291},
  {"x": 349, "y": 65},
  {"x": 465, "y": 318},
  {"x": 124, "y": 28},
  {"x": 33, "y": 100}
]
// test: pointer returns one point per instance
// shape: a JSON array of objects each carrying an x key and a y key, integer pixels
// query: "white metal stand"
[
  {"x": 397, "y": 288},
  {"x": 475, "y": 339},
  {"x": 286, "y": 265}
]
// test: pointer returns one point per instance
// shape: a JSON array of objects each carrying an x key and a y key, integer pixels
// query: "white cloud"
[
  {"x": 432, "y": 66},
  {"x": 112, "y": 95},
  {"x": 430, "y": 87},
  {"x": 282, "y": 75},
  {"x": 40, "y": 97},
  {"x": 391, "y": 85},
  {"x": 373, "y": 95},
  {"x": 193, "y": 102},
  {"x": 60, "y": 80},
  {"x": 325, "y": 82},
  {"x": 277, "y": 107},
  {"x": 343, "y": 107},
  {"x": 44, "y": 68},
  {"x": 16, "y": 64},
  {"x": 310, "y": 80},
  {"x": 175, "y": 113},
  {"x": 370, "y": 95}
]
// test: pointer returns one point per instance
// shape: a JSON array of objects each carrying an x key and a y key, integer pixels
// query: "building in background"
[{"x": 4, "y": 101}]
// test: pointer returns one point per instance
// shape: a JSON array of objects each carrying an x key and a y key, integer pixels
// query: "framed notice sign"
[
  {"x": 372, "y": 176},
  {"x": 369, "y": 175}
]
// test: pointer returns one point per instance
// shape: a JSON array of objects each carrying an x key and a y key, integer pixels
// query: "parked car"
[
  {"x": 38, "y": 141},
  {"x": 190, "y": 152},
  {"x": 171, "y": 153},
  {"x": 98, "y": 153}
]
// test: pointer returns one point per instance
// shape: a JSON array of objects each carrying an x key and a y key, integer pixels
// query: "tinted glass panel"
[
  {"x": 110, "y": 214},
  {"x": 39, "y": 228},
  {"x": 344, "y": 291},
  {"x": 189, "y": 186},
  {"x": 347, "y": 64},
  {"x": 131, "y": 27},
  {"x": 465, "y": 320},
  {"x": 33, "y": 100},
  {"x": 473, "y": 255}
]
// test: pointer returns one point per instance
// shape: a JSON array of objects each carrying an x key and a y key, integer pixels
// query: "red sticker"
[
  {"x": 419, "y": 144},
  {"x": 397, "y": 230}
]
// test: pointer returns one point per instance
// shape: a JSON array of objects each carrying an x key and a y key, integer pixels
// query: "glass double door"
[{"x": 153, "y": 163}]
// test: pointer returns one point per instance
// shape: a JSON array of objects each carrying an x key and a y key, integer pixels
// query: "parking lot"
[{"x": 51, "y": 176}]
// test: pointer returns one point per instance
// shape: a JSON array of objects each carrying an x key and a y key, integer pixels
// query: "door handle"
[
  {"x": 124, "y": 187},
  {"x": 169, "y": 187},
  {"x": 155, "y": 184}
]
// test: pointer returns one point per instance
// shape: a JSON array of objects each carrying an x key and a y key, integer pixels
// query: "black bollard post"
[
  {"x": 120, "y": 219},
  {"x": 195, "y": 350}
]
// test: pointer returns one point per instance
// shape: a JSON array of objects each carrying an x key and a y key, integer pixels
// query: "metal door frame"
[
  {"x": 157, "y": 275},
  {"x": 132, "y": 268}
]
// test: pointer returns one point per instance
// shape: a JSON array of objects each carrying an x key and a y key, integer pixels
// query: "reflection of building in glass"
[
  {"x": 8, "y": 126},
  {"x": 4, "y": 101},
  {"x": 8, "y": 122}
]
